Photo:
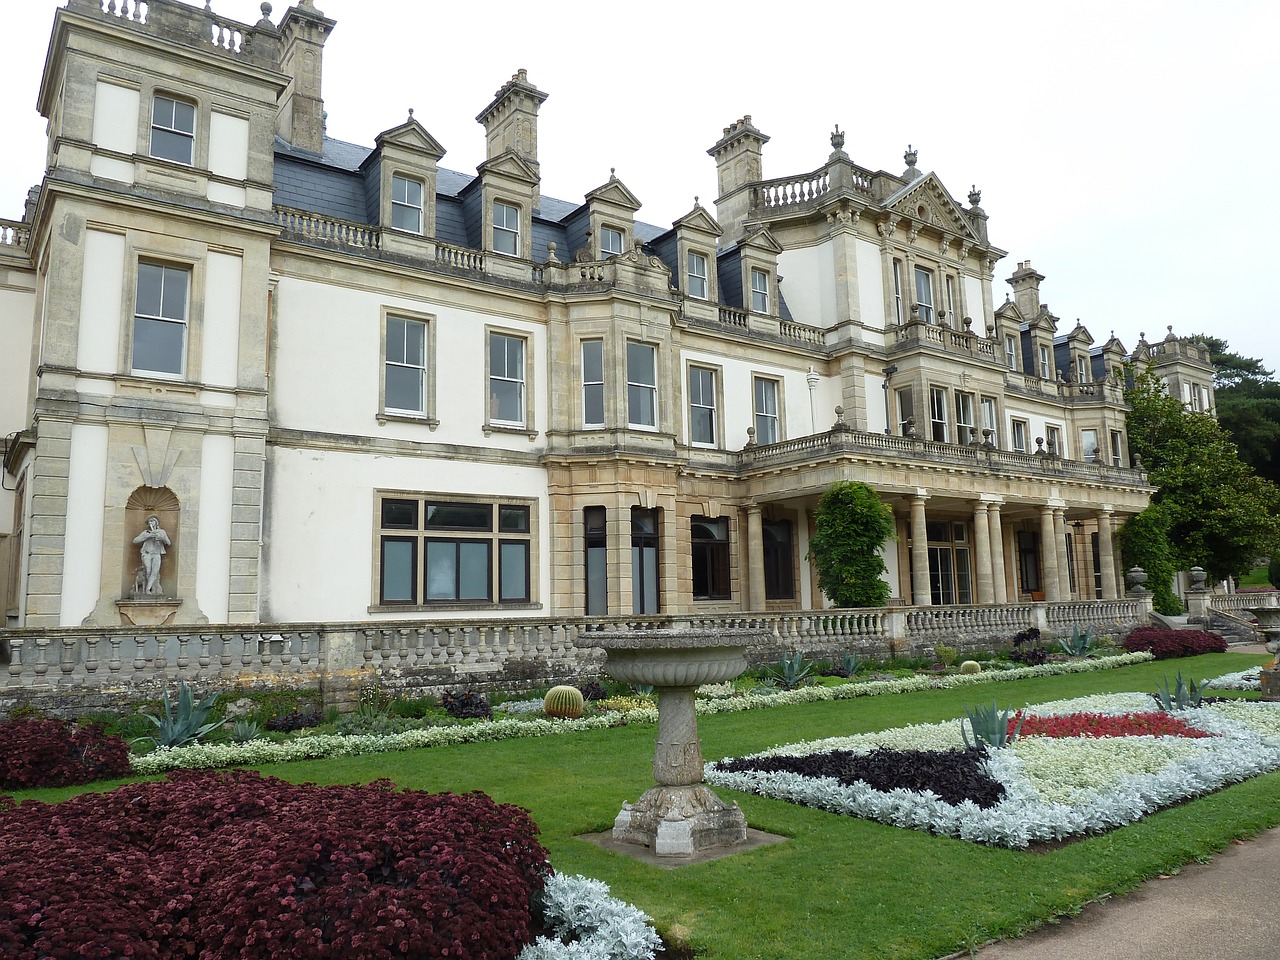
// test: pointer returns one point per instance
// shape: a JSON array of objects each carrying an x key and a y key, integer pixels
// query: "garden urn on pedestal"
[
  {"x": 1269, "y": 625},
  {"x": 680, "y": 816}
]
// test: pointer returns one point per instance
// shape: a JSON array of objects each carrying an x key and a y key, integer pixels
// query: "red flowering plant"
[
  {"x": 236, "y": 865},
  {"x": 1154, "y": 724},
  {"x": 36, "y": 752},
  {"x": 1165, "y": 644}
]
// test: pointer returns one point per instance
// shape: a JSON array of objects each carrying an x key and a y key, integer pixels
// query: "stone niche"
[{"x": 137, "y": 605}]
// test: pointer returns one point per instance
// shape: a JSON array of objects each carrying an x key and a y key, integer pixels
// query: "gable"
[
  {"x": 699, "y": 220},
  {"x": 762, "y": 239},
  {"x": 927, "y": 201},
  {"x": 412, "y": 136},
  {"x": 510, "y": 165},
  {"x": 615, "y": 192}
]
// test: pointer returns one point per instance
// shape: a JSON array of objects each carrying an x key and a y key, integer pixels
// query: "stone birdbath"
[
  {"x": 1269, "y": 624},
  {"x": 680, "y": 816}
]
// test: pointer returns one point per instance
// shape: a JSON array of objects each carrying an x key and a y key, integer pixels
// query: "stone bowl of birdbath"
[
  {"x": 1269, "y": 625},
  {"x": 680, "y": 816}
]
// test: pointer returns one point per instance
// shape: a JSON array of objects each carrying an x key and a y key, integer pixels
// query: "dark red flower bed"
[
  {"x": 1154, "y": 724},
  {"x": 236, "y": 865},
  {"x": 954, "y": 775},
  {"x": 56, "y": 753},
  {"x": 1166, "y": 644}
]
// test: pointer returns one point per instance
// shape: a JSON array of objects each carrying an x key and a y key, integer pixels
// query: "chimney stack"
[
  {"x": 511, "y": 121},
  {"x": 300, "y": 118},
  {"x": 1026, "y": 289},
  {"x": 738, "y": 155}
]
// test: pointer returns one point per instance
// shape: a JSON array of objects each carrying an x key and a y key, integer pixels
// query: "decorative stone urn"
[
  {"x": 680, "y": 816},
  {"x": 1269, "y": 625}
]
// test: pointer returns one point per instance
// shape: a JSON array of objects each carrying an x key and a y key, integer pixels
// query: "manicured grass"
[
  {"x": 839, "y": 886},
  {"x": 1257, "y": 577}
]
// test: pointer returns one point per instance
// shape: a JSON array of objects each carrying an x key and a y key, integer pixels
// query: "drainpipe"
[
  {"x": 812, "y": 379},
  {"x": 888, "y": 418}
]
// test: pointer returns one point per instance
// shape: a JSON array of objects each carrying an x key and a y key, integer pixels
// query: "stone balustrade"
[
  {"x": 790, "y": 191},
  {"x": 14, "y": 235},
  {"x": 459, "y": 258},
  {"x": 66, "y": 668},
  {"x": 327, "y": 231},
  {"x": 732, "y": 317},
  {"x": 192, "y": 26},
  {"x": 1241, "y": 602},
  {"x": 802, "y": 333}
]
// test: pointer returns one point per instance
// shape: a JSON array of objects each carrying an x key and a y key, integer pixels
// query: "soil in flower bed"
[{"x": 953, "y": 775}]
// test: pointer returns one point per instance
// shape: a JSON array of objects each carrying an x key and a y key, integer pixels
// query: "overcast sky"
[{"x": 1127, "y": 149}]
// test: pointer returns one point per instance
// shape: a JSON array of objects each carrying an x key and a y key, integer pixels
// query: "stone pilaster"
[
  {"x": 1060, "y": 545},
  {"x": 1106, "y": 556},
  {"x": 920, "y": 594},
  {"x": 755, "y": 558},
  {"x": 999, "y": 583},
  {"x": 1049, "y": 556},
  {"x": 982, "y": 552}
]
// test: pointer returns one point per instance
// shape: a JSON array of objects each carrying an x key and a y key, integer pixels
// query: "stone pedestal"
[
  {"x": 1269, "y": 625},
  {"x": 148, "y": 612},
  {"x": 680, "y": 816},
  {"x": 1271, "y": 685}
]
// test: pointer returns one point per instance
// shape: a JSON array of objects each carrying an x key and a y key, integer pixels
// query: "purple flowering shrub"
[
  {"x": 236, "y": 865},
  {"x": 57, "y": 753}
]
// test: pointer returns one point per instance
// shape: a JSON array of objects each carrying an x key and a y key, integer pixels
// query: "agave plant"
[
  {"x": 852, "y": 664},
  {"x": 1081, "y": 643},
  {"x": 1183, "y": 695},
  {"x": 791, "y": 672},
  {"x": 990, "y": 725},
  {"x": 185, "y": 722},
  {"x": 242, "y": 731}
]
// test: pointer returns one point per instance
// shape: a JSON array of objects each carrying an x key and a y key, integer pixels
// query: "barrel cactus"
[
  {"x": 563, "y": 702},
  {"x": 971, "y": 666}
]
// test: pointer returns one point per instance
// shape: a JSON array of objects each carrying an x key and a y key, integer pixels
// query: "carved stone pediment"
[
  {"x": 700, "y": 221},
  {"x": 1080, "y": 334},
  {"x": 615, "y": 193},
  {"x": 926, "y": 202},
  {"x": 411, "y": 136},
  {"x": 510, "y": 165},
  {"x": 762, "y": 239}
]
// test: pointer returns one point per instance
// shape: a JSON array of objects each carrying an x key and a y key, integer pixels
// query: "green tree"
[
  {"x": 1144, "y": 542},
  {"x": 1247, "y": 404},
  {"x": 1222, "y": 515},
  {"x": 851, "y": 527}
]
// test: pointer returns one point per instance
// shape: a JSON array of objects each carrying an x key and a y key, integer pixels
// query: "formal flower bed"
[
  {"x": 214, "y": 755},
  {"x": 1092, "y": 764},
  {"x": 1250, "y": 679}
]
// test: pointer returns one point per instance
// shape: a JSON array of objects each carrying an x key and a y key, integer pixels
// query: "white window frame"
[
  {"x": 991, "y": 418},
  {"x": 1019, "y": 430},
  {"x": 395, "y": 356},
  {"x": 608, "y": 235},
  {"x": 172, "y": 128},
  {"x": 506, "y": 339},
  {"x": 699, "y": 284},
  {"x": 966, "y": 427},
  {"x": 402, "y": 202},
  {"x": 704, "y": 397},
  {"x": 1086, "y": 453},
  {"x": 1082, "y": 370},
  {"x": 1046, "y": 368},
  {"x": 759, "y": 291},
  {"x": 506, "y": 224},
  {"x": 1117, "y": 448},
  {"x": 1011, "y": 352},
  {"x": 952, "y": 320},
  {"x": 162, "y": 317},
  {"x": 897, "y": 290},
  {"x": 1053, "y": 440},
  {"x": 642, "y": 388},
  {"x": 924, "y": 293},
  {"x": 905, "y": 401},
  {"x": 938, "y": 430},
  {"x": 767, "y": 422},
  {"x": 592, "y": 386}
]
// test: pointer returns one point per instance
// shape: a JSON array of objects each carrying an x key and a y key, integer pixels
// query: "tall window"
[
  {"x": 989, "y": 421},
  {"x": 924, "y": 294},
  {"x": 1053, "y": 441},
  {"x": 710, "y": 547},
  {"x": 644, "y": 561},
  {"x": 642, "y": 384},
  {"x": 702, "y": 406},
  {"x": 1011, "y": 352},
  {"x": 759, "y": 291},
  {"x": 595, "y": 542},
  {"x": 697, "y": 275},
  {"x": 406, "y": 365},
  {"x": 160, "y": 320},
  {"x": 610, "y": 242},
  {"x": 1019, "y": 435},
  {"x": 1117, "y": 449},
  {"x": 938, "y": 414},
  {"x": 950, "y": 573},
  {"x": 965, "y": 432},
  {"x": 173, "y": 129},
  {"x": 506, "y": 228},
  {"x": 906, "y": 412},
  {"x": 1082, "y": 370},
  {"x": 779, "y": 562},
  {"x": 897, "y": 290},
  {"x": 1045, "y": 368},
  {"x": 1089, "y": 445},
  {"x": 451, "y": 551},
  {"x": 592, "y": 383},
  {"x": 406, "y": 204},
  {"x": 506, "y": 379},
  {"x": 951, "y": 302},
  {"x": 766, "y": 410}
]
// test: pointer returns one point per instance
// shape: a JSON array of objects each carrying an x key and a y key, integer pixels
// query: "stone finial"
[
  {"x": 265, "y": 23},
  {"x": 911, "y": 156},
  {"x": 751, "y": 439},
  {"x": 975, "y": 196},
  {"x": 837, "y": 139}
]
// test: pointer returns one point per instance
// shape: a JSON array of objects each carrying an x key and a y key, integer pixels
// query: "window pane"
[
  {"x": 414, "y": 341},
  {"x": 505, "y": 401},
  {"x": 459, "y": 516},
  {"x": 597, "y": 604},
  {"x": 641, "y": 363},
  {"x": 473, "y": 570},
  {"x": 173, "y": 294},
  {"x": 395, "y": 340},
  {"x": 442, "y": 570},
  {"x": 150, "y": 280},
  {"x": 157, "y": 345},
  {"x": 641, "y": 407},
  {"x": 766, "y": 397},
  {"x": 168, "y": 145},
  {"x": 397, "y": 571},
  {"x": 593, "y": 404},
  {"x": 406, "y": 218},
  {"x": 593, "y": 361},
  {"x": 404, "y": 388},
  {"x": 162, "y": 111},
  {"x": 513, "y": 567},
  {"x": 184, "y": 116},
  {"x": 400, "y": 514},
  {"x": 702, "y": 425},
  {"x": 513, "y": 519}
]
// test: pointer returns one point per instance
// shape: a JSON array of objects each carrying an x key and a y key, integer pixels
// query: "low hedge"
[
  {"x": 36, "y": 752},
  {"x": 1165, "y": 644},
  {"x": 238, "y": 865}
]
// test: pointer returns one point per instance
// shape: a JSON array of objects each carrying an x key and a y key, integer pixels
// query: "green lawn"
[
  {"x": 1255, "y": 578},
  {"x": 838, "y": 886}
]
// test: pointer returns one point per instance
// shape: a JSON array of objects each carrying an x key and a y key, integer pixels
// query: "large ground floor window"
[
  {"x": 644, "y": 560},
  {"x": 779, "y": 560},
  {"x": 441, "y": 549},
  {"x": 710, "y": 549},
  {"x": 950, "y": 570}
]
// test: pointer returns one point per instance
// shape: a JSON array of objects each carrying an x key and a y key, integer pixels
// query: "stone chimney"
[
  {"x": 511, "y": 121},
  {"x": 1026, "y": 289},
  {"x": 300, "y": 118},
  {"x": 738, "y": 155}
]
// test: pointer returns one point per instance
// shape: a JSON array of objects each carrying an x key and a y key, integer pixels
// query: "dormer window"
[
  {"x": 1082, "y": 370},
  {"x": 610, "y": 242},
  {"x": 506, "y": 228},
  {"x": 697, "y": 275},
  {"x": 1044, "y": 364},
  {"x": 759, "y": 291},
  {"x": 406, "y": 204},
  {"x": 1011, "y": 352},
  {"x": 173, "y": 129}
]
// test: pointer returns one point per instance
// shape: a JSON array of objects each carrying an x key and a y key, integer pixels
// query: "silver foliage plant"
[{"x": 590, "y": 924}]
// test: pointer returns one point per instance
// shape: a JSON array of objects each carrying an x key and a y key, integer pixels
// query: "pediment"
[
  {"x": 412, "y": 136},
  {"x": 614, "y": 192},
  {"x": 1009, "y": 310},
  {"x": 1080, "y": 334},
  {"x": 926, "y": 201},
  {"x": 700, "y": 221},
  {"x": 762, "y": 239},
  {"x": 511, "y": 165}
]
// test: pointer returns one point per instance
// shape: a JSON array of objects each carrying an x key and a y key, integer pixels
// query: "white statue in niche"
[{"x": 153, "y": 542}]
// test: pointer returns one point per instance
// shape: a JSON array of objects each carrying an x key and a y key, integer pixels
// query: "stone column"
[
  {"x": 1048, "y": 556},
  {"x": 997, "y": 554},
  {"x": 982, "y": 553},
  {"x": 1060, "y": 544},
  {"x": 1106, "y": 556},
  {"x": 920, "y": 594},
  {"x": 755, "y": 558}
]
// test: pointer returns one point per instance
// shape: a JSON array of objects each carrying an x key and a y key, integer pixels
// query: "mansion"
[{"x": 256, "y": 375}]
